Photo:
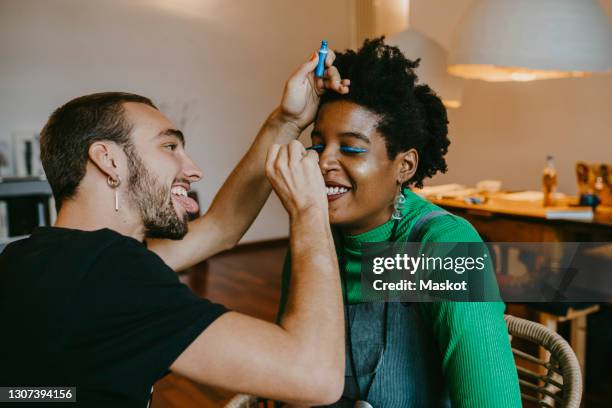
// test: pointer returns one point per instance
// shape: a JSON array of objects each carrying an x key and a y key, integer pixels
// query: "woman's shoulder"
[
  {"x": 435, "y": 224},
  {"x": 450, "y": 228}
]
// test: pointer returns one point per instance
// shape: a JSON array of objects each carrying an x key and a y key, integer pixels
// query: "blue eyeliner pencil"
[{"x": 322, "y": 55}]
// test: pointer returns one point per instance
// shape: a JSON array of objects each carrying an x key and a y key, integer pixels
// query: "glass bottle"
[{"x": 549, "y": 182}]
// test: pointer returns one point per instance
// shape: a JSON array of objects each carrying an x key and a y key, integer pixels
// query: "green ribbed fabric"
[{"x": 472, "y": 336}]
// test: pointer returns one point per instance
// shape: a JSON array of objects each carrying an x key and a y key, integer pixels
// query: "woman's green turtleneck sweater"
[{"x": 473, "y": 339}]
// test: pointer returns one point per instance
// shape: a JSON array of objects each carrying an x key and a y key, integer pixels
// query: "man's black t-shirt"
[{"x": 96, "y": 310}]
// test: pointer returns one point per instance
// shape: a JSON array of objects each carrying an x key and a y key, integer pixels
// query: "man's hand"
[
  {"x": 302, "y": 91},
  {"x": 295, "y": 176}
]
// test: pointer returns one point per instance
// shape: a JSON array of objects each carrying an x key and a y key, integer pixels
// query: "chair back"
[
  {"x": 248, "y": 401},
  {"x": 553, "y": 379}
]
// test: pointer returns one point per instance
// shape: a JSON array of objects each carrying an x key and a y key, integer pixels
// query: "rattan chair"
[
  {"x": 248, "y": 401},
  {"x": 553, "y": 382}
]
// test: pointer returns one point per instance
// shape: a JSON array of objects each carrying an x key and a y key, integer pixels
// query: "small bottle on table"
[{"x": 549, "y": 182}]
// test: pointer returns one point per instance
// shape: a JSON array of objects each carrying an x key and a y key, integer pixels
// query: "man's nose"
[{"x": 191, "y": 171}]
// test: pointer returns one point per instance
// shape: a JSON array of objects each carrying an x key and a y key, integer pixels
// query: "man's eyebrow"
[{"x": 173, "y": 132}]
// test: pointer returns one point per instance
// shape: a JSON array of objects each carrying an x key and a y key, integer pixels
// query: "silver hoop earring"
[
  {"x": 398, "y": 206},
  {"x": 114, "y": 183}
]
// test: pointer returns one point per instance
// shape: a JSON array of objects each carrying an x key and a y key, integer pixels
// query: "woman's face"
[{"x": 361, "y": 180}]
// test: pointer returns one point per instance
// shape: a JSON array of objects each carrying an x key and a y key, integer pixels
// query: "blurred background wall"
[{"x": 217, "y": 69}]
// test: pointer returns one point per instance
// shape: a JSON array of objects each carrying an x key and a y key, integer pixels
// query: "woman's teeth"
[
  {"x": 335, "y": 190},
  {"x": 179, "y": 191}
]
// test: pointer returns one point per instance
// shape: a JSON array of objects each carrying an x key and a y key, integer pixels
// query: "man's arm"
[
  {"x": 302, "y": 360},
  {"x": 246, "y": 190}
]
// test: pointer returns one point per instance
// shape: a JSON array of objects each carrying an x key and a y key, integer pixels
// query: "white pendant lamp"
[
  {"x": 524, "y": 40},
  {"x": 432, "y": 68}
]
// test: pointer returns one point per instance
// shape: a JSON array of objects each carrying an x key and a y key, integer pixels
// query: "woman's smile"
[{"x": 335, "y": 190}]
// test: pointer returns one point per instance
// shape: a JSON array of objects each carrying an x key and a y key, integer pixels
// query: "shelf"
[
  {"x": 5, "y": 241},
  {"x": 15, "y": 187}
]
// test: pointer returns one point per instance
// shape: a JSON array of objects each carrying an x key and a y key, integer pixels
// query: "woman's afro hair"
[{"x": 412, "y": 116}]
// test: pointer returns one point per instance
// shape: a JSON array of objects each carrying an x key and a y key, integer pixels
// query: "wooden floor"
[{"x": 247, "y": 280}]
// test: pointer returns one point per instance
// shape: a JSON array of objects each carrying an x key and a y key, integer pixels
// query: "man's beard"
[{"x": 153, "y": 201}]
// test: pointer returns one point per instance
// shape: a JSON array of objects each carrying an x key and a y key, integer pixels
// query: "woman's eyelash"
[
  {"x": 350, "y": 149},
  {"x": 345, "y": 149},
  {"x": 172, "y": 146},
  {"x": 317, "y": 148}
]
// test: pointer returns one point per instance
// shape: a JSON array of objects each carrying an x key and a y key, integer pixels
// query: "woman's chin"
[
  {"x": 341, "y": 214},
  {"x": 338, "y": 220},
  {"x": 333, "y": 220}
]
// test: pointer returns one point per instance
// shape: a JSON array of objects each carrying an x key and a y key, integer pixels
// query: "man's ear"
[
  {"x": 102, "y": 154},
  {"x": 407, "y": 166}
]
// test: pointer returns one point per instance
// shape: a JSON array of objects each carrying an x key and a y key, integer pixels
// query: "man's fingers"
[
  {"x": 296, "y": 152},
  {"x": 272, "y": 153},
  {"x": 333, "y": 81},
  {"x": 271, "y": 158},
  {"x": 333, "y": 76},
  {"x": 319, "y": 85},
  {"x": 312, "y": 62},
  {"x": 311, "y": 155},
  {"x": 282, "y": 159},
  {"x": 331, "y": 57},
  {"x": 307, "y": 67}
]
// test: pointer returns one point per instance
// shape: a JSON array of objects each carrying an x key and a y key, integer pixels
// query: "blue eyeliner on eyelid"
[
  {"x": 345, "y": 149},
  {"x": 349, "y": 149},
  {"x": 315, "y": 147}
]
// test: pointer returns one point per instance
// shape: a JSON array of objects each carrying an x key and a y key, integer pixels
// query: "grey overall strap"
[{"x": 415, "y": 233}]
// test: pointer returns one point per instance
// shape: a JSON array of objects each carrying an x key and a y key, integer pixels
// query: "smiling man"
[
  {"x": 86, "y": 303},
  {"x": 135, "y": 150}
]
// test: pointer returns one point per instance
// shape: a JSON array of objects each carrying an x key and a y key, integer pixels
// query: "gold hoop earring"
[{"x": 114, "y": 183}]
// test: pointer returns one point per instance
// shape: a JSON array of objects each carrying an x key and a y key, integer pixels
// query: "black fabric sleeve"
[{"x": 137, "y": 318}]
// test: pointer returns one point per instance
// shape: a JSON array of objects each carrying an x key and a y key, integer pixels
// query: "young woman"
[{"x": 387, "y": 134}]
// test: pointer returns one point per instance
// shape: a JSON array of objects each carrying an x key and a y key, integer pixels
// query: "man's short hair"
[{"x": 71, "y": 130}]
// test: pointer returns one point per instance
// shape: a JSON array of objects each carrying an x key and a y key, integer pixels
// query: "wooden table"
[{"x": 499, "y": 220}]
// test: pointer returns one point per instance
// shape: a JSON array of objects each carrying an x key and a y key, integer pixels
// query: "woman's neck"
[{"x": 368, "y": 224}]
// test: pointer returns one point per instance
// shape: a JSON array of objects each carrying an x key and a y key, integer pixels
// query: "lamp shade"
[
  {"x": 432, "y": 68},
  {"x": 522, "y": 40}
]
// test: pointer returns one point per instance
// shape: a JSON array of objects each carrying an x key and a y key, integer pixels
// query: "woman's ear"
[
  {"x": 101, "y": 154},
  {"x": 407, "y": 166}
]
